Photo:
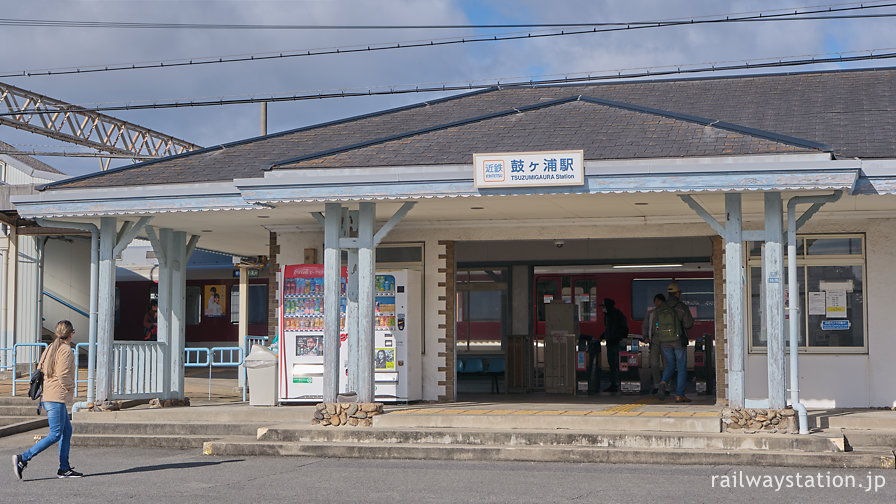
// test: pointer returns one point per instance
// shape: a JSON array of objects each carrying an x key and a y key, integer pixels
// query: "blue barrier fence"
[
  {"x": 6, "y": 353},
  {"x": 225, "y": 357}
]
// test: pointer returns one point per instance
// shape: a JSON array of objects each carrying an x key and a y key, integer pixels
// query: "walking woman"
[{"x": 58, "y": 364}]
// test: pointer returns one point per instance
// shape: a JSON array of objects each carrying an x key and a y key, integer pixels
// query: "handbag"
[
  {"x": 36, "y": 385},
  {"x": 36, "y": 388}
]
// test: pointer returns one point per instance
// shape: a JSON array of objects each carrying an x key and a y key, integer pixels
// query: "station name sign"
[{"x": 529, "y": 169}]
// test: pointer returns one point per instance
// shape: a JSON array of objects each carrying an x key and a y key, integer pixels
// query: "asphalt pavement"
[{"x": 156, "y": 475}]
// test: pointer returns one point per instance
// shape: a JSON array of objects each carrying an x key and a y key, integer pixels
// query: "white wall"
[
  {"x": 26, "y": 289},
  {"x": 67, "y": 276},
  {"x": 826, "y": 380},
  {"x": 849, "y": 380}
]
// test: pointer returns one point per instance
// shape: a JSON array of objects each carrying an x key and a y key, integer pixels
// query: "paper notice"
[
  {"x": 835, "y": 302},
  {"x": 816, "y": 303}
]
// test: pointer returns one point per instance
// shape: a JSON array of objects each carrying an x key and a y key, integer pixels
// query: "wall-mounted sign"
[
  {"x": 834, "y": 325},
  {"x": 529, "y": 169}
]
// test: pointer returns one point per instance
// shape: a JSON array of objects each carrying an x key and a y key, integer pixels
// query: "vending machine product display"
[
  {"x": 302, "y": 331},
  {"x": 397, "y": 340},
  {"x": 398, "y": 373}
]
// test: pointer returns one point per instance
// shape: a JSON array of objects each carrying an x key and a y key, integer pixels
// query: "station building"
[{"x": 689, "y": 180}]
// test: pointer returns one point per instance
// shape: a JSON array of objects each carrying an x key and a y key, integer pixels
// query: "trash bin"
[{"x": 261, "y": 376}]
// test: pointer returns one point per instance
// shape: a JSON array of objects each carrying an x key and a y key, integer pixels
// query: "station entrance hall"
[{"x": 530, "y": 318}]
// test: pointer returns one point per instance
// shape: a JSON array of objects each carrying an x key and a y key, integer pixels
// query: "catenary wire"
[
  {"x": 794, "y": 16},
  {"x": 241, "y": 26},
  {"x": 408, "y": 89}
]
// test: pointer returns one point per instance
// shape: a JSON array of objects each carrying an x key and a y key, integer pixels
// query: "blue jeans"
[
  {"x": 676, "y": 357},
  {"x": 60, "y": 431}
]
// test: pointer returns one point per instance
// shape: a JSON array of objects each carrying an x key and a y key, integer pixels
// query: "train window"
[
  {"x": 481, "y": 309},
  {"x": 193, "y": 305},
  {"x": 546, "y": 290},
  {"x": 697, "y": 293},
  {"x": 258, "y": 304}
]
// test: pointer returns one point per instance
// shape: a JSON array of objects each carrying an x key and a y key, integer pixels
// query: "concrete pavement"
[{"x": 539, "y": 427}]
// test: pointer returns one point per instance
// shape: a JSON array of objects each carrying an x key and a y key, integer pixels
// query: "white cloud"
[{"x": 53, "y": 47}]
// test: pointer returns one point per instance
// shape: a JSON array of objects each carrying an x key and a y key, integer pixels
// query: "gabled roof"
[
  {"x": 854, "y": 112},
  {"x": 604, "y": 130},
  {"x": 29, "y": 161}
]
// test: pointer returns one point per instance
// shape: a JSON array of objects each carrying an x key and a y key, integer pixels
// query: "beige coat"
[{"x": 61, "y": 386}]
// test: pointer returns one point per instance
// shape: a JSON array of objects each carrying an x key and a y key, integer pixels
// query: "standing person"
[
  {"x": 657, "y": 362},
  {"x": 673, "y": 319},
  {"x": 616, "y": 329},
  {"x": 151, "y": 322},
  {"x": 58, "y": 364}
]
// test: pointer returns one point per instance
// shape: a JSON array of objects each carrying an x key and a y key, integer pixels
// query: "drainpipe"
[
  {"x": 94, "y": 261},
  {"x": 792, "y": 284},
  {"x": 4, "y": 265}
]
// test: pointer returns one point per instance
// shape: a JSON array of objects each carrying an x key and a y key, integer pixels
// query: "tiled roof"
[
  {"x": 852, "y": 111},
  {"x": 28, "y": 160},
  {"x": 603, "y": 132}
]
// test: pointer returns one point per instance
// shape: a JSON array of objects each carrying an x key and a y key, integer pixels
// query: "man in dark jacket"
[{"x": 616, "y": 329}]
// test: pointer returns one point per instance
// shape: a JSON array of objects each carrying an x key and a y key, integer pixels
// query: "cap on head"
[
  {"x": 673, "y": 288},
  {"x": 609, "y": 303}
]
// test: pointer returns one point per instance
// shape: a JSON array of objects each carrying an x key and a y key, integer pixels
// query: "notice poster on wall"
[
  {"x": 816, "y": 303},
  {"x": 835, "y": 304},
  {"x": 215, "y": 300}
]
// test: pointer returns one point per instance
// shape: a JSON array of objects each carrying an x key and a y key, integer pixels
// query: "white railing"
[{"x": 138, "y": 369}]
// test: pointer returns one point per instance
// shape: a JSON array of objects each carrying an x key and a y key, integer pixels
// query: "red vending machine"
[{"x": 302, "y": 330}]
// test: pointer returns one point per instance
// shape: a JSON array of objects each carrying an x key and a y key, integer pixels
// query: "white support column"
[
  {"x": 163, "y": 326},
  {"x": 774, "y": 299},
  {"x": 351, "y": 319},
  {"x": 734, "y": 299},
  {"x": 7, "y": 284},
  {"x": 366, "y": 301},
  {"x": 40, "y": 243},
  {"x": 244, "y": 318},
  {"x": 351, "y": 307},
  {"x": 177, "y": 325},
  {"x": 332, "y": 269},
  {"x": 3, "y": 334},
  {"x": 105, "y": 308},
  {"x": 94, "y": 314}
]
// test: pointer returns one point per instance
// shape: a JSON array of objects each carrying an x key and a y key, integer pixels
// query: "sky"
[{"x": 34, "y": 48}]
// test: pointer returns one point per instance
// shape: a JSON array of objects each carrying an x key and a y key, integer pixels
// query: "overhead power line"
[
  {"x": 807, "y": 15},
  {"x": 104, "y": 155},
  {"x": 783, "y": 62},
  {"x": 242, "y": 26}
]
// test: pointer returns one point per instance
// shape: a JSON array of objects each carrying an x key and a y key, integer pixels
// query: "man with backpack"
[
  {"x": 657, "y": 362},
  {"x": 673, "y": 319},
  {"x": 616, "y": 329}
]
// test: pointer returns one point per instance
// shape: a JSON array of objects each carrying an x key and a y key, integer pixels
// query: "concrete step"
[
  {"x": 21, "y": 400},
  {"x": 164, "y": 428},
  {"x": 219, "y": 413},
  {"x": 574, "y": 454},
  {"x": 595, "y": 423},
  {"x": 12, "y": 420},
  {"x": 605, "y": 439},
  {"x": 868, "y": 420},
  {"x": 20, "y": 410},
  {"x": 142, "y": 441},
  {"x": 23, "y": 426},
  {"x": 871, "y": 438}
]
